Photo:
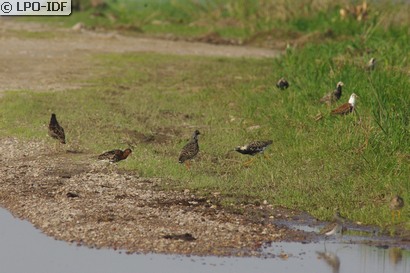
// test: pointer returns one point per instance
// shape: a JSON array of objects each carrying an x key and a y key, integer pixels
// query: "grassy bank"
[
  {"x": 154, "y": 102},
  {"x": 261, "y": 22}
]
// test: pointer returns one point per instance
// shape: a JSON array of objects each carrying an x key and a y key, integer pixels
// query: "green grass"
[
  {"x": 354, "y": 163},
  {"x": 243, "y": 20}
]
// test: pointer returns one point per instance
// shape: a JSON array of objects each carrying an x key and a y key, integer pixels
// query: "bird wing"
[
  {"x": 326, "y": 98},
  {"x": 189, "y": 151},
  {"x": 57, "y": 132},
  {"x": 257, "y": 146},
  {"x": 343, "y": 109},
  {"x": 110, "y": 155}
]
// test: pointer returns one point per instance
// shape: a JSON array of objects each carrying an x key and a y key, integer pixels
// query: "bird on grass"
[
  {"x": 253, "y": 148},
  {"x": 371, "y": 64},
  {"x": 282, "y": 84},
  {"x": 55, "y": 130},
  {"x": 190, "y": 150},
  {"x": 115, "y": 156},
  {"x": 347, "y": 107},
  {"x": 333, "y": 96},
  {"x": 396, "y": 204}
]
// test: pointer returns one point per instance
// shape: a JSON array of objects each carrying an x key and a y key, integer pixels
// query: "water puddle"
[{"x": 25, "y": 249}]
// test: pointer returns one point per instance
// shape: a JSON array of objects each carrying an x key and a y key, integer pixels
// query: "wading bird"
[
  {"x": 115, "y": 155},
  {"x": 371, "y": 64},
  {"x": 282, "y": 84},
  {"x": 190, "y": 150},
  {"x": 253, "y": 148},
  {"x": 347, "y": 107},
  {"x": 396, "y": 204},
  {"x": 55, "y": 130},
  {"x": 333, "y": 96},
  {"x": 335, "y": 227}
]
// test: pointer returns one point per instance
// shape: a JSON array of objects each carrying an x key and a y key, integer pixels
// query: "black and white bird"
[
  {"x": 55, "y": 130},
  {"x": 190, "y": 150},
  {"x": 282, "y": 84},
  {"x": 333, "y": 96},
  {"x": 253, "y": 148}
]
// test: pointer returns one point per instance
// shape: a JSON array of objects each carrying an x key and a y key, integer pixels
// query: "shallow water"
[{"x": 25, "y": 249}]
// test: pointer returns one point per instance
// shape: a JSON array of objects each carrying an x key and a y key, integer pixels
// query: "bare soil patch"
[{"x": 40, "y": 57}]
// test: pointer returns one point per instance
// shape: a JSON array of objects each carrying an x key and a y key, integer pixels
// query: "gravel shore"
[{"x": 72, "y": 197}]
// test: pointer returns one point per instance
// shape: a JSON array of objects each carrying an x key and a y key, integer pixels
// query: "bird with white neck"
[{"x": 347, "y": 107}]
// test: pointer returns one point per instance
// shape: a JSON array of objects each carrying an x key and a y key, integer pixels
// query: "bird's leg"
[
  {"x": 247, "y": 163},
  {"x": 398, "y": 215},
  {"x": 266, "y": 156},
  {"x": 60, "y": 147},
  {"x": 393, "y": 215},
  {"x": 187, "y": 165},
  {"x": 55, "y": 147}
]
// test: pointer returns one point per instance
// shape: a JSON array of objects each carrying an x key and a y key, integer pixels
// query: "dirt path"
[
  {"x": 71, "y": 197},
  {"x": 39, "y": 57}
]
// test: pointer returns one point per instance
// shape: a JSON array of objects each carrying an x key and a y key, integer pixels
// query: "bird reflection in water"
[
  {"x": 395, "y": 255},
  {"x": 330, "y": 258}
]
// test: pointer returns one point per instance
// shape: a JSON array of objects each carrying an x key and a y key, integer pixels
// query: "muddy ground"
[{"x": 72, "y": 197}]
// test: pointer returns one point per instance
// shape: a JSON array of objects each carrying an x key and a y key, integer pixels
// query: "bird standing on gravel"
[
  {"x": 282, "y": 84},
  {"x": 55, "y": 130},
  {"x": 253, "y": 148},
  {"x": 347, "y": 107},
  {"x": 190, "y": 150},
  {"x": 333, "y": 96},
  {"x": 396, "y": 204},
  {"x": 115, "y": 155}
]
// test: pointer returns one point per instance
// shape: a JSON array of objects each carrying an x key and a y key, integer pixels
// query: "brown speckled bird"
[
  {"x": 335, "y": 227},
  {"x": 396, "y": 204},
  {"x": 347, "y": 107},
  {"x": 333, "y": 96},
  {"x": 55, "y": 130},
  {"x": 190, "y": 150},
  {"x": 253, "y": 148},
  {"x": 115, "y": 155},
  {"x": 282, "y": 84}
]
